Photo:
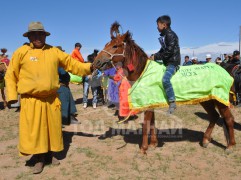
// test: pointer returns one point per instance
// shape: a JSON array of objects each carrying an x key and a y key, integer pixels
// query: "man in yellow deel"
[{"x": 33, "y": 73}]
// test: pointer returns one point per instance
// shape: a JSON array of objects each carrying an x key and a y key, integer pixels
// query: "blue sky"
[{"x": 196, "y": 22}]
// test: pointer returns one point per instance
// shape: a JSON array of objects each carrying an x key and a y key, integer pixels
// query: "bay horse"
[{"x": 122, "y": 48}]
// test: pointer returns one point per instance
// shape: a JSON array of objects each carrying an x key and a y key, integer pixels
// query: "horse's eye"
[{"x": 115, "y": 46}]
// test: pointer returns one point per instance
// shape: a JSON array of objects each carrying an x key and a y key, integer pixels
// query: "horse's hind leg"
[
  {"x": 154, "y": 142},
  {"x": 213, "y": 116},
  {"x": 146, "y": 129},
  {"x": 229, "y": 121}
]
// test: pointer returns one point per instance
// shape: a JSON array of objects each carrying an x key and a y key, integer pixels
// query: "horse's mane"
[{"x": 134, "y": 54}]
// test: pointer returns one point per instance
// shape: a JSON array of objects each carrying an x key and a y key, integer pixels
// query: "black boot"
[
  {"x": 39, "y": 166},
  {"x": 172, "y": 107},
  {"x": 50, "y": 159}
]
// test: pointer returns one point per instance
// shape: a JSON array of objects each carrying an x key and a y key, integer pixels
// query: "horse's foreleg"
[
  {"x": 154, "y": 141},
  {"x": 229, "y": 121},
  {"x": 213, "y": 116},
  {"x": 145, "y": 131}
]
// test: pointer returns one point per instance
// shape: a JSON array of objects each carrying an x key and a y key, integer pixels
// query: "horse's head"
[
  {"x": 114, "y": 51},
  {"x": 121, "y": 48}
]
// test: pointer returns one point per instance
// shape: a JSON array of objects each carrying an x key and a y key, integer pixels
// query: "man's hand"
[
  {"x": 90, "y": 77},
  {"x": 92, "y": 68}
]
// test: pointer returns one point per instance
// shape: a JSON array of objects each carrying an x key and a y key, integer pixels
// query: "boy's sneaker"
[
  {"x": 94, "y": 105},
  {"x": 172, "y": 107},
  {"x": 85, "y": 105}
]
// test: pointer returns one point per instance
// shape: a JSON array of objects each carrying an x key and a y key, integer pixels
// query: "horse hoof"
[
  {"x": 229, "y": 150},
  {"x": 205, "y": 142},
  {"x": 205, "y": 145},
  {"x": 140, "y": 155},
  {"x": 143, "y": 152},
  {"x": 152, "y": 146}
]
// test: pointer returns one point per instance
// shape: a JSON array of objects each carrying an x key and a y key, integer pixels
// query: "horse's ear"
[
  {"x": 115, "y": 34},
  {"x": 114, "y": 30},
  {"x": 127, "y": 36}
]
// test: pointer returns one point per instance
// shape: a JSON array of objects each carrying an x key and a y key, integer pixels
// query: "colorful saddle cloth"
[{"x": 192, "y": 85}]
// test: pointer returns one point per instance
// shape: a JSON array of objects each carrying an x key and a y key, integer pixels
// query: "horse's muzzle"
[{"x": 102, "y": 64}]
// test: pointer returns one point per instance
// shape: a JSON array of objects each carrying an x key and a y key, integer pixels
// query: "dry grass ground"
[{"x": 99, "y": 148}]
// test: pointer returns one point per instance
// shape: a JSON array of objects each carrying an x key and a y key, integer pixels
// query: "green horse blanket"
[{"x": 192, "y": 85}]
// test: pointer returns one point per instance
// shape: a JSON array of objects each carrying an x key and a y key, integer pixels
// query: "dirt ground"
[{"x": 99, "y": 148}]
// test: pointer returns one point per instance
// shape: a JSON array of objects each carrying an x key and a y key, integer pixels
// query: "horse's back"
[{"x": 192, "y": 85}]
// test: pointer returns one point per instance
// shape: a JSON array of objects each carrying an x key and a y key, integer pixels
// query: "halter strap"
[{"x": 113, "y": 55}]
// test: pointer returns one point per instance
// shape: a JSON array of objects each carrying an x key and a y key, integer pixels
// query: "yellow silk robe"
[{"x": 33, "y": 73}]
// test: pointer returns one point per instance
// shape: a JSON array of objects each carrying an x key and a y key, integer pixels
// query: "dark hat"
[
  {"x": 4, "y": 50},
  {"x": 35, "y": 26},
  {"x": 78, "y": 45},
  {"x": 60, "y": 48},
  {"x": 235, "y": 53}
]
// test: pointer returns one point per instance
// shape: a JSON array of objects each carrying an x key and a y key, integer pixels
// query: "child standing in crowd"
[
  {"x": 123, "y": 87},
  {"x": 104, "y": 86},
  {"x": 68, "y": 108},
  {"x": 92, "y": 81},
  {"x": 112, "y": 92}
]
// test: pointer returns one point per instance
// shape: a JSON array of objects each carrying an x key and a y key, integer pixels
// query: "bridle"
[{"x": 113, "y": 55}]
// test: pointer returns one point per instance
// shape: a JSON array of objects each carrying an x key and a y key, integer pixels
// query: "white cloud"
[{"x": 215, "y": 49}]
